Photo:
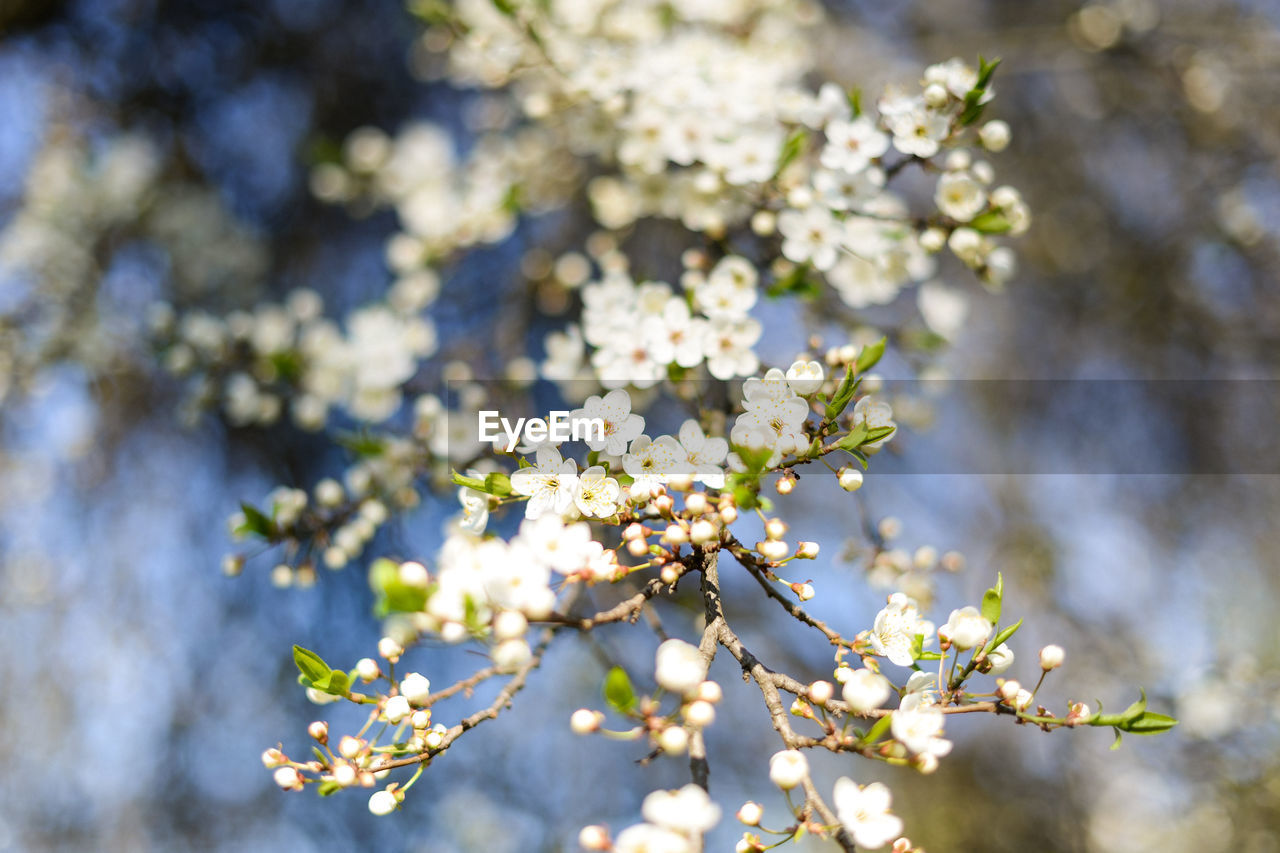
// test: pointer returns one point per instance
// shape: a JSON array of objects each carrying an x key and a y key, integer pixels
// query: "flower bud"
[
  {"x": 674, "y": 740},
  {"x": 728, "y": 514},
  {"x": 509, "y": 625},
  {"x": 751, "y": 813},
  {"x": 414, "y": 574},
  {"x": 273, "y": 758},
  {"x": 703, "y": 532},
  {"x": 637, "y": 547},
  {"x": 396, "y": 709},
  {"x": 1022, "y": 701},
  {"x": 821, "y": 692},
  {"x": 349, "y": 747},
  {"x": 584, "y": 721},
  {"x": 700, "y": 714},
  {"x": 1009, "y": 689},
  {"x": 804, "y": 591},
  {"x": 390, "y": 649},
  {"x": 319, "y": 730},
  {"x": 344, "y": 774},
  {"x": 926, "y": 762},
  {"x": 634, "y": 530},
  {"x": 775, "y": 528},
  {"x": 669, "y": 574},
  {"x": 807, "y": 550},
  {"x": 695, "y": 503},
  {"x": 594, "y": 837},
  {"x": 788, "y": 768},
  {"x": 935, "y": 95},
  {"x": 785, "y": 485},
  {"x": 288, "y": 779},
  {"x": 420, "y": 719},
  {"x": 995, "y": 135},
  {"x": 1051, "y": 657},
  {"x": 773, "y": 549},
  {"x": 510, "y": 655},
  {"x": 709, "y": 691},
  {"x": 382, "y": 803},
  {"x": 675, "y": 534},
  {"x": 850, "y": 479}
]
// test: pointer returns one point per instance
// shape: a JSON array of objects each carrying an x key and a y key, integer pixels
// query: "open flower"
[
  {"x": 688, "y": 811},
  {"x": 654, "y": 461},
  {"x": 550, "y": 483},
  {"x": 919, "y": 728},
  {"x": 597, "y": 494},
  {"x": 896, "y": 627},
  {"x": 864, "y": 811}
]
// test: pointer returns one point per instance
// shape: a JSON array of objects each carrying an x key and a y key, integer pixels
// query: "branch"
[
  {"x": 500, "y": 703},
  {"x": 765, "y": 680}
]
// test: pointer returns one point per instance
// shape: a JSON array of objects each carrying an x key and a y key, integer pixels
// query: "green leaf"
[
  {"x": 328, "y": 789},
  {"x": 1003, "y": 636},
  {"x": 1116, "y": 743},
  {"x": 791, "y": 149},
  {"x": 844, "y": 393},
  {"x": 391, "y": 594},
  {"x": 1135, "y": 710},
  {"x": 877, "y": 731},
  {"x": 362, "y": 443},
  {"x": 991, "y": 222},
  {"x": 870, "y": 355},
  {"x": 255, "y": 521},
  {"x": 798, "y": 282},
  {"x": 310, "y": 664},
  {"x": 991, "y": 601},
  {"x": 618, "y": 691},
  {"x": 972, "y": 109},
  {"x": 1150, "y": 723},
  {"x": 855, "y": 102}
]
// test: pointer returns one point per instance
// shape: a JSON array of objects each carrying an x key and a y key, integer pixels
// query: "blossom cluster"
[{"x": 254, "y": 363}]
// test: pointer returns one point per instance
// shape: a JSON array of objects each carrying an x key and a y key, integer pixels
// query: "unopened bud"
[
  {"x": 850, "y": 479},
  {"x": 1051, "y": 657},
  {"x": 319, "y": 730},
  {"x": 585, "y": 721},
  {"x": 807, "y": 550},
  {"x": 751, "y": 813},
  {"x": 821, "y": 692}
]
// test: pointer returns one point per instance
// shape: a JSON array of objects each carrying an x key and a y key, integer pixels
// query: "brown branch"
[
  {"x": 627, "y": 610},
  {"x": 765, "y": 680},
  {"x": 490, "y": 712},
  {"x": 760, "y": 573}
]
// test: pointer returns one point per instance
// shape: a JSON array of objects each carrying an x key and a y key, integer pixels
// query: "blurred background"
[{"x": 153, "y": 150}]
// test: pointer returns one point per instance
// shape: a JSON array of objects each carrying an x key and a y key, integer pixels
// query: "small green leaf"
[
  {"x": 255, "y": 521},
  {"x": 1150, "y": 723},
  {"x": 844, "y": 393},
  {"x": 1135, "y": 710},
  {"x": 791, "y": 149},
  {"x": 855, "y": 102},
  {"x": 310, "y": 664},
  {"x": 877, "y": 731},
  {"x": 1003, "y": 636},
  {"x": 1116, "y": 743},
  {"x": 870, "y": 355},
  {"x": 991, "y": 222},
  {"x": 328, "y": 789},
  {"x": 991, "y": 601},
  {"x": 618, "y": 691}
]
